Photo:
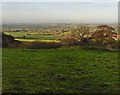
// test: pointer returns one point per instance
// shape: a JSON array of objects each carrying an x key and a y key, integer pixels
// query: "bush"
[
  {"x": 24, "y": 37},
  {"x": 9, "y": 41},
  {"x": 85, "y": 41},
  {"x": 69, "y": 42},
  {"x": 114, "y": 45}
]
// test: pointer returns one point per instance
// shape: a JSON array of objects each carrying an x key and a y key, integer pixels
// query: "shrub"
[
  {"x": 9, "y": 41},
  {"x": 24, "y": 37},
  {"x": 85, "y": 42},
  {"x": 69, "y": 42}
]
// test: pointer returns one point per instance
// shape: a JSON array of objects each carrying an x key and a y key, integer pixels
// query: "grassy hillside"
[{"x": 66, "y": 70}]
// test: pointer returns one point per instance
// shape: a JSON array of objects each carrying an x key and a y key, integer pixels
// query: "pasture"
[
  {"x": 29, "y": 37},
  {"x": 63, "y": 70}
]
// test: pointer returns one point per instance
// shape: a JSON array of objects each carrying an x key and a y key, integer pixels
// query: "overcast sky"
[
  {"x": 60, "y": 0},
  {"x": 56, "y": 12}
]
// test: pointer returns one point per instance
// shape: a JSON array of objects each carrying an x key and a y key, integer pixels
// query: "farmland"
[
  {"x": 60, "y": 48},
  {"x": 45, "y": 32},
  {"x": 29, "y": 38},
  {"x": 50, "y": 59},
  {"x": 65, "y": 70}
]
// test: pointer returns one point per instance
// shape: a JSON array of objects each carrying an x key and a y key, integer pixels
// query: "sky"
[
  {"x": 60, "y": 0},
  {"x": 93, "y": 11}
]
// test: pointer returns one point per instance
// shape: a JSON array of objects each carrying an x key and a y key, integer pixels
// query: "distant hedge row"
[{"x": 40, "y": 45}]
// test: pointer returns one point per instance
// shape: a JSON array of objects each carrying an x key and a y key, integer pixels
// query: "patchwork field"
[
  {"x": 65, "y": 70},
  {"x": 23, "y": 36}
]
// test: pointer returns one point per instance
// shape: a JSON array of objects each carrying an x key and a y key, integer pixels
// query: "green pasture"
[
  {"x": 32, "y": 37},
  {"x": 64, "y": 70},
  {"x": 38, "y": 40}
]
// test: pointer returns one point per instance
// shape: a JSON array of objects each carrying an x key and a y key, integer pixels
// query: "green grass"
[
  {"x": 19, "y": 35},
  {"x": 33, "y": 40},
  {"x": 42, "y": 37},
  {"x": 69, "y": 32},
  {"x": 16, "y": 34},
  {"x": 65, "y": 70}
]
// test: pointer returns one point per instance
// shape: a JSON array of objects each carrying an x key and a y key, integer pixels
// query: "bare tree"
[{"x": 81, "y": 33}]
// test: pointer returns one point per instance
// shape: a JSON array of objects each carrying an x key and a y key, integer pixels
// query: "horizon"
[{"x": 53, "y": 23}]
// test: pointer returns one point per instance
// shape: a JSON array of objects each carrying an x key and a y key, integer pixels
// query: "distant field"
[
  {"x": 32, "y": 40},
  {"x": 16, "y": 34},
  {"x": 65, "y": 70},
  {"x": 29, "y": 38}
]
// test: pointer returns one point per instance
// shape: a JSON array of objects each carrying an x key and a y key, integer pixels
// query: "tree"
[
  {"x": 82, "y": 33},
  {"x": 103, "y": 35}
]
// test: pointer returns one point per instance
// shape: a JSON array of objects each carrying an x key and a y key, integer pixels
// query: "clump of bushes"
[
  {"x": 104, "y": 36},
  {"x": 8, "y": 41},
  {"x": 85, "y": 42},
  {"x": 69, "y": 42}
]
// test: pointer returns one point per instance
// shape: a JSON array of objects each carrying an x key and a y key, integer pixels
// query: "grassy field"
[
  {"x": 16, "y": 34},
  {"x": 29, "y": 38},
  {"x": 65, "y": 70},
  {"x": 38, "y": 40}
]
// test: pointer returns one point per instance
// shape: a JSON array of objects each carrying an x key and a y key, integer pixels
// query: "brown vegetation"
[
  {"x": 40, "y": 45},
  {"x": 104, "y": 35}
]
